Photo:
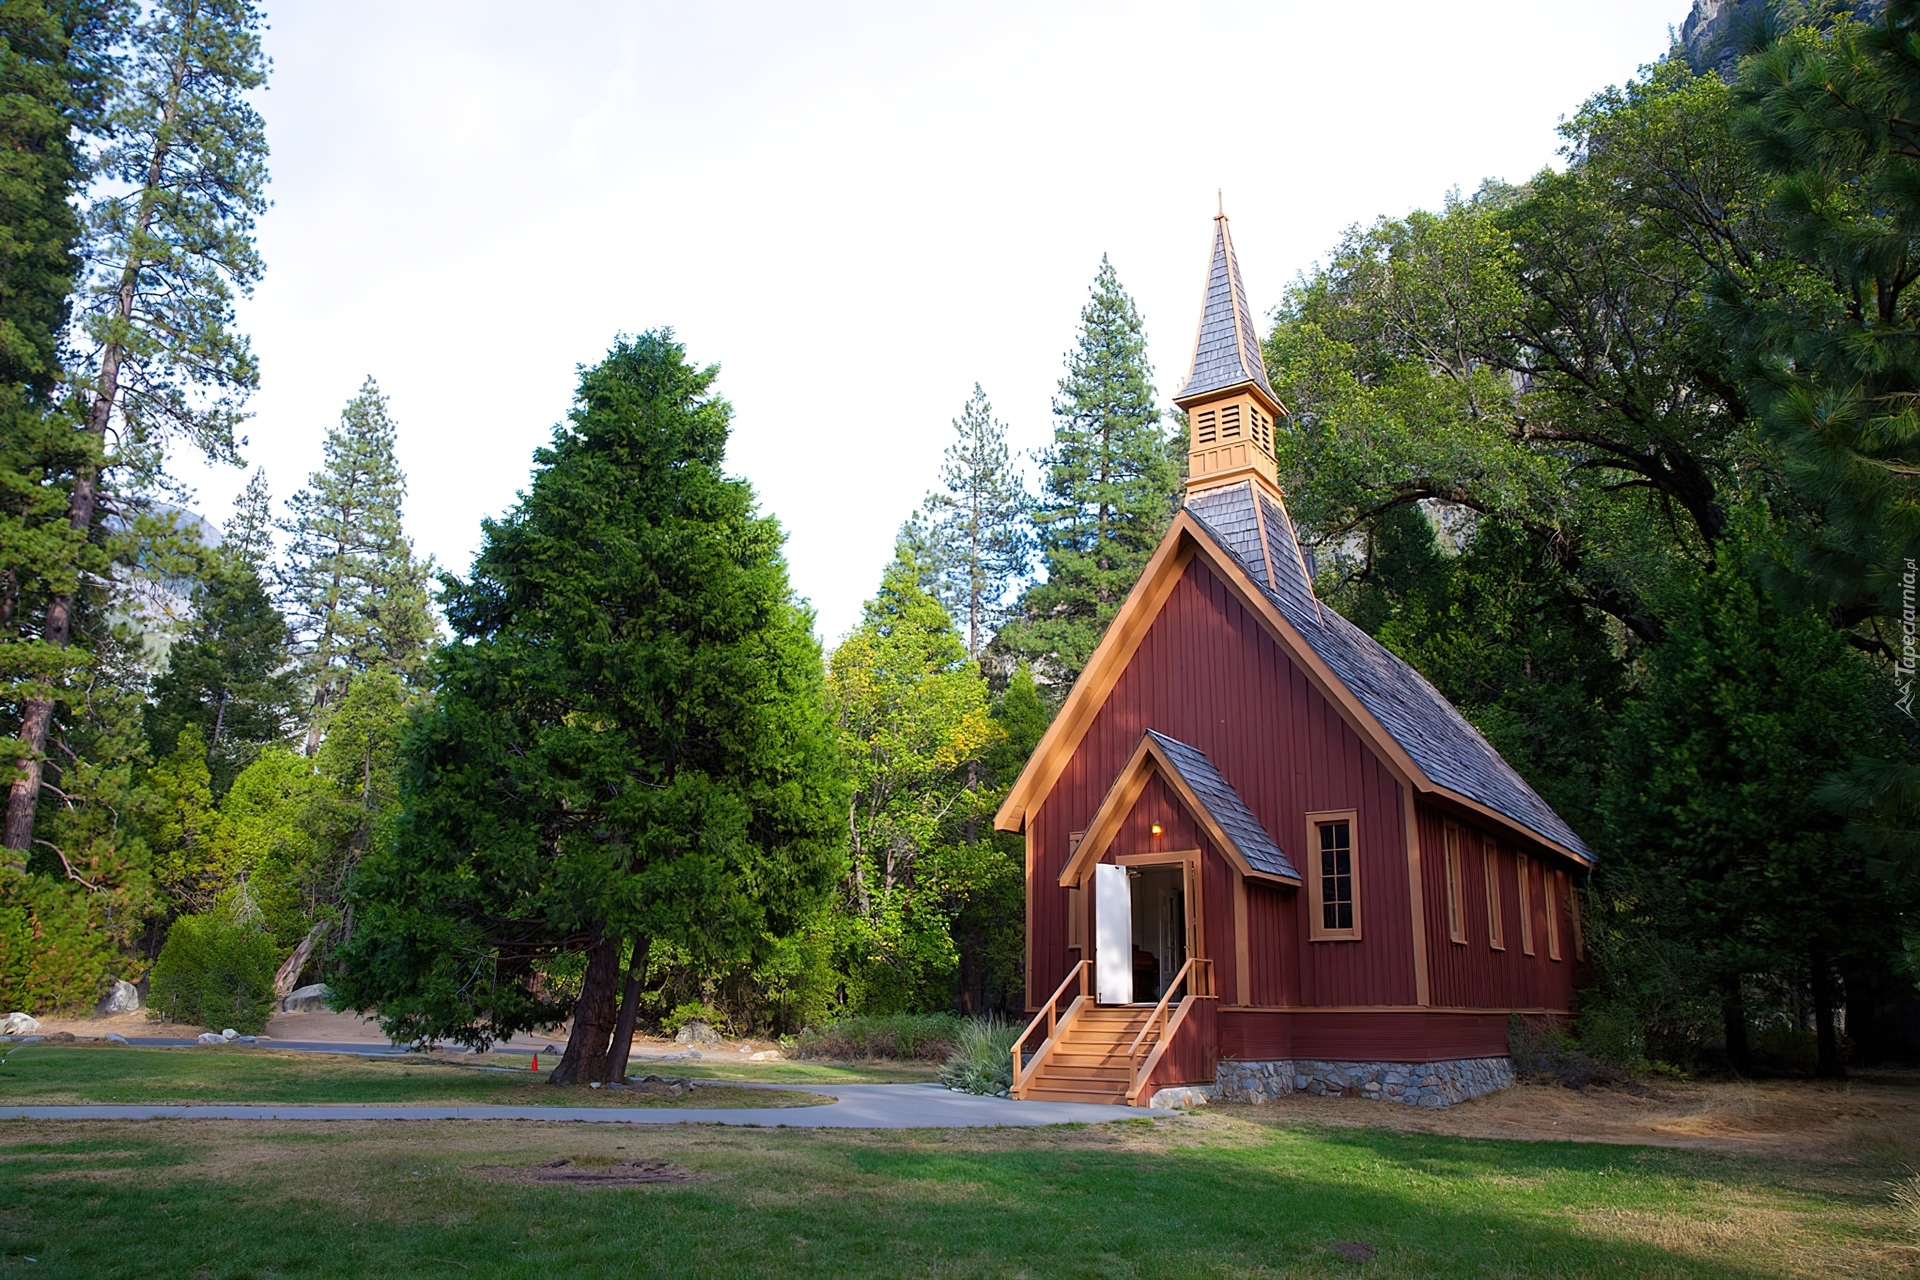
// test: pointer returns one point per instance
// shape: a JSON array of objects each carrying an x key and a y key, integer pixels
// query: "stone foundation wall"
[{"x": 1418, "y": 1084}]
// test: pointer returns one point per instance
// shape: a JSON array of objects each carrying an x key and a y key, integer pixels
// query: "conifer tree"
[
  {"x": 976, "y": 523},
  {"x": 249, "y": 535},
  {"x": 1108, "y": 493},
  {"x": 628, "y": 744},
  {"x": 228, "y": 677},
  {"x": 356, "y": 593},
  {"x": 169, "y": 245}
]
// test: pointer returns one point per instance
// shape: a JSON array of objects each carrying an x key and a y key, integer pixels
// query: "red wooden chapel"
[{"x": 1262, "y": 853}]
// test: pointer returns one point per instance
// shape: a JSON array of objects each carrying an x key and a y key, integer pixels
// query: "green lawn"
[
  {"x": 1205, "y": 1195},
  {"x": 71, "y": 1074}
]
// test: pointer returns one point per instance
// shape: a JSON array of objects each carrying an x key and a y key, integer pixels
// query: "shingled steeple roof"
[{"x": 1226, "y": 353}]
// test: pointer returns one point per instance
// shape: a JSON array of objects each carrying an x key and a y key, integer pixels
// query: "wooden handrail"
[
  {"x": 1078, "y": 971},
  {"x": 1196, "y": 973},
  {"x": 1159, "y": 1013}
]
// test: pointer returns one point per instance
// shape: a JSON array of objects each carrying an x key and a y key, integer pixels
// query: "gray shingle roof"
[
  {"x": 1448, "y": 750},
  {"x": 1224, "y": 805},
  {"x": 1227, "y": 351}
]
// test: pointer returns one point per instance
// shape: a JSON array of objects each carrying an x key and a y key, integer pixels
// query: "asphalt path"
[{"x": 855, "y": 1106}]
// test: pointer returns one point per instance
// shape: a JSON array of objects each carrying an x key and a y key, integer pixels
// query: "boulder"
[
  {"x": 309, "y": 999},
  {"x": 209, "y": 1037},
  {"x": 765, "y": 1055},
  {"x": 59, "y": 1037},
  {"x": 698, "y": 1033},
  {"x": 229, "y": 1034},
  {"x": 124, "y": 998},
  {"x": 114, "y": 1037},
  {"x": 20, "y": 1024}
]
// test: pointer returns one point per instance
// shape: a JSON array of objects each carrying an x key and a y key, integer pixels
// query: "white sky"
[{"x": 857, "y": 209}]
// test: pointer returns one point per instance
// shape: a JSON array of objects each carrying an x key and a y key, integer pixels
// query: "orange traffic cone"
[{"x": 536, "y": 1063}]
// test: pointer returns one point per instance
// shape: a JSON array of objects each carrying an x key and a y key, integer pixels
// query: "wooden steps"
[{"x": 1089, "y": 1064}]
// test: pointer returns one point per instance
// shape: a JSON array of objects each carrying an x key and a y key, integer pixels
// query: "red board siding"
[
  {"x": 1252, "y": 1035},
  {"x": 1194, "y": 1053},
  {"x": 1472, "y": 975},
  {"x": 1208, "y": 674}
]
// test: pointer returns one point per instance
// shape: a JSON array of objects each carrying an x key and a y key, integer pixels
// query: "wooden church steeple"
[{"x": 1230, "y": 404}]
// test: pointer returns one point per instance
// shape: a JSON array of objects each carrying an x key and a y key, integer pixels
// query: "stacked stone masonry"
[{"x": 1418, "y": 1084}]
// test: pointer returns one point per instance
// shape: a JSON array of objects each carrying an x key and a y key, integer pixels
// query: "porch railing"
[
  {"x": 1055, "y": 1021},
  {"x": 1196, "y": 976}
]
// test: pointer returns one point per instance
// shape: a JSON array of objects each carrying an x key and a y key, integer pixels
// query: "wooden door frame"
[{"x": 1189, "y": 860}]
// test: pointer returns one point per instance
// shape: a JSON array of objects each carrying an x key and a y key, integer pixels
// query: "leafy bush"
[
  {"x": 1784, "y": 1047},
  {"x": 907, "y": 1037},
  {"x": 215, "y": 972},
  {"x": 693, "y": 1011},
  {"x": 1543, "y": 1053},
  {"x": 982, "y": 1057}
]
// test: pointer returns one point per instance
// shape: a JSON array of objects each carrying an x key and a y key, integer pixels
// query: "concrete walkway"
[{"x": 856, "y": 1106}]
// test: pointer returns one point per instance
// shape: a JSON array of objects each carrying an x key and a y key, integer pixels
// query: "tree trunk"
[
  {"x": 1733, "y": 1017},
  {"x": 289, "y": 974},
  {"x": 585, "y": 1060},
  {"x": 629, "y": 1010},
  {"x": 1826, "y": 1037}
]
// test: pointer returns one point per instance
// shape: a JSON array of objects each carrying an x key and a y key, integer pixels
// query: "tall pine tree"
[
  {"x": 170, "y": 244},
  {"x": 1109, "y": 491},
  {"x": 976, "y": 524},
  {"x": 356, "y": 594}
]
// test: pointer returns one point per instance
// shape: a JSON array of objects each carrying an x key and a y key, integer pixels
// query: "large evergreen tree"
[
  {"x": 171, "y": 241},
  {"x": 1109, "y": 489},
  {"x": 627, "y": 742},
  {"x": 978, "y": 537},
  {"x": 1715, "y": 832},
  {"x": 355, "y": 591}
]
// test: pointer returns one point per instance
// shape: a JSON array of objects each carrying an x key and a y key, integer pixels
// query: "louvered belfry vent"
[{"x": 1227, "y": 394}]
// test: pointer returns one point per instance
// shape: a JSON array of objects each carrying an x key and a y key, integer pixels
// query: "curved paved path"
[{"x": 856, "y": 1106}]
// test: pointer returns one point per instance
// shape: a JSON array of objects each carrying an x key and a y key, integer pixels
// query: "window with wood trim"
[
  {"x": 1206, "y": 426},
  {"x": 1573, "y": 909},
  {"x": 1456, "y": 909},
  {"x": 1230, "y": 422},
  {"x": 1336, "y": 876},
  {"x": 1490, "y": 864},
  {"x": 1549, "y": 881},
  {"x": 1524, "y": 865},
  {"x": 1076, "y": 921}
]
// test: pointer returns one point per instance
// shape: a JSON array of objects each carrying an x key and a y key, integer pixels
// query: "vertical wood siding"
[
  {"x": 1472, "y": 974},
  {"x": 1208, "y": 674}
]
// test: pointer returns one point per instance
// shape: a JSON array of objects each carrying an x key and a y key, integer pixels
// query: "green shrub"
[
  {"x": 693, "y": 1011},
  {"x": 1784, "y": 1047},
  {"x": 907, "y": 1037},
  {"x": 215, "y": 973},
  {"x": 982, "y": 1057},
  {"x": 1544, "y": 1053}
]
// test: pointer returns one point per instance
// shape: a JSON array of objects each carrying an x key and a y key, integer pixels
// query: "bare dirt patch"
[
  {"x": 1875, "y": 1116},
  {"x": 618, "y": 1173}
]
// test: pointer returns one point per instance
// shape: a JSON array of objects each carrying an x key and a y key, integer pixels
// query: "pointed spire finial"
[
  {"x": 1226, "y": 351},
  {"x": 1220, "y": 203}
]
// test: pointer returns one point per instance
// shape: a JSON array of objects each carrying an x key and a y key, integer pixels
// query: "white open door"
[{"x": 1113, "y": 934}]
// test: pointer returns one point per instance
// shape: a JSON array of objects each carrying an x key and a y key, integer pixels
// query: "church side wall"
[
  {"x": 1208, "y": 674},
  {"x": 1475, "y": 974}
]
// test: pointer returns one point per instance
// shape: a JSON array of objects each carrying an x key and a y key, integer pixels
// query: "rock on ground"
[
  {"x": 698, "y": 1033},
  {"x": 210, "y": 1037},
  {"x": 20, "y": 1024},
  {"x": 309, "y": 999},
  {"x": 124, "y": 998}
]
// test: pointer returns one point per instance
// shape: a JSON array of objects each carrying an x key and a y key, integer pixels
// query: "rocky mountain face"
[{"x": 1715, "y": 30}]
